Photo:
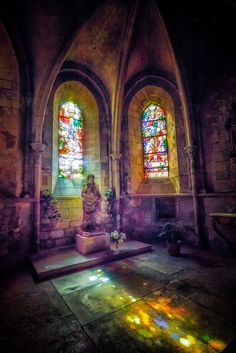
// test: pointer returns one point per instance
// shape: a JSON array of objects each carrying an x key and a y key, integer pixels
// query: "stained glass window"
[
  {"x": 155, "y": 148},
  {"x": 70, "y": 163}
]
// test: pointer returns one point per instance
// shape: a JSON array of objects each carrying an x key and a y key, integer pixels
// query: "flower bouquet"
[{"x": 117, "y": 237}]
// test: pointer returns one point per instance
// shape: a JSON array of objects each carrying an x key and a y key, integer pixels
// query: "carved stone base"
[{"x": 88, "y": 243}]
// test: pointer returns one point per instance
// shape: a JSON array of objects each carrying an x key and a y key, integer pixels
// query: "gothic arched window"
[
  {"x": 155, "y": 148},
  {"x": 70, "y": 142}
]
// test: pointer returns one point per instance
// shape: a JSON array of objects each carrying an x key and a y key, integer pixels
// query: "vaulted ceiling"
[{"x": 91, "y": 33}]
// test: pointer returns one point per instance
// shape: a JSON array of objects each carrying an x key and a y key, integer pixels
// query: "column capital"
[
  {"x": 37, "y": 147},
  {"x": 191, "y": 150},
  {"x": 116, "y": 156}
]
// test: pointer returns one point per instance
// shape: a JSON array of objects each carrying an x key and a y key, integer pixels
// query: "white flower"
[
  {"x": 123, "y": 235},
  {"x": 116, "y": 235}
]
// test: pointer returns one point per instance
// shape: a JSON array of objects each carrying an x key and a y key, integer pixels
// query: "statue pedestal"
[{"x": 88, "y": 243}]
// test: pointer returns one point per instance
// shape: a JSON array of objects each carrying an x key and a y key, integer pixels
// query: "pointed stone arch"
[{"x": 142, "y": 89}]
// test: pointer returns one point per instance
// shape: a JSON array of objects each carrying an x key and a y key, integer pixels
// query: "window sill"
[
  {"x": 156, "y": 180},
  {"x": 67, "y": 197},
  {"x": 156, "y": 195}
]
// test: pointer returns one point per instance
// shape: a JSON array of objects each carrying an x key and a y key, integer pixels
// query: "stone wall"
[
  {"x": 56, "y": 234},
  {"x": 15, "y": 230},
  {"x": 36, "y": 42},
  {"x": 141, "y": 217},
  {"x": 220, "y": 172},
  {"x": 10, "y": 125},
  {"x": 15, "y": 213},
  {"x": 142, "y": 220},
  {"x": 62, "y": 233}
]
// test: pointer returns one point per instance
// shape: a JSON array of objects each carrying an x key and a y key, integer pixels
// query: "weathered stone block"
[
  {"x": 92, "y": 244},
  {"x": 70, "y": 240},
  {"x": 223, "y": 186},
  {"x": 6, "y": 84},
  {"x": 71, "y": 203},
  {"x": 69, "y": 232},
  {"x": 45, "y": 221},
  {"x": 43, "y": 244},
  {"x": 55, "y": 234},
  {"x": 50, "y": 244},
  {"x": 65, "y": 213},
  {"x": 60, "y": 225},
  {"x": 133, "y": 222},
  {"x": 60, "y": 242},
  {"x": 64, "y": 224},
  {"x": 45, "y": 227},
  {"x": 76, "y": 223},
  {"x": 45, "y": 180},
  {"x": 5, "y": 102},
  {"x": 222, "y": 175},
  {"x": 44, "y": 235}
]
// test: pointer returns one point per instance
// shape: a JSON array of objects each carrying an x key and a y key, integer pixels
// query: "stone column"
[
  {"x": 27, "y": 173},
  {"x": 191, "y": 151},
  {"x": 233, "y": 170},
  {"x": 116, "y": 184},
  {"x": 38, "y": 149}
]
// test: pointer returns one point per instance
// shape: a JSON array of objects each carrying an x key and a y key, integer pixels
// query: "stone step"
[{"x": 65, "y": 260}]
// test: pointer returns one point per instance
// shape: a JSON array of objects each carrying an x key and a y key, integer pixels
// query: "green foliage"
[
  {"x": 108, "y": 193},
  {"x": 49, "y": 207},
  {"x": 171, "y": 234}
]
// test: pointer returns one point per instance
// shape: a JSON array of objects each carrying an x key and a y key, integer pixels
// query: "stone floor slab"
[
  {"x": 216, "y": 283},
  {"x": 167, "y": 265},
  {"x": 139, "y": 326},
  {"x": 190, "y": 316},
  {"x": 215, "y": 304},
  {"x": 24, "y": 313},
  {"x": 147, "y": 271},
  {"x": 146, "y": 303},
  {"x": 65, "y": 335},
  {"x": 79, "y": 280},
  {"x": 83, "y": 279},
  {"x": 95, "y": 302},
  {"x": 137, "y": 285},
  {"x": 16, "y": 283}
]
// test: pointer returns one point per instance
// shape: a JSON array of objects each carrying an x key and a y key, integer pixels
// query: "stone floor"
[{"x": 146, "y": 303}]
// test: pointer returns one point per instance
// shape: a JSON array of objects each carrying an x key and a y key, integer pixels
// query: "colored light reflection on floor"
[
  {"x": 217, "y": 344},
  {"x": 157, "y": 320},
  {"x": 172, "y": 326},
  {"x": 99, "y": 276},
  {"x": 106, "y": 297}
]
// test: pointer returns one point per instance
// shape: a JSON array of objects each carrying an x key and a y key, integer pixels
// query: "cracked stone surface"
[{"x": 147, "y": 303}]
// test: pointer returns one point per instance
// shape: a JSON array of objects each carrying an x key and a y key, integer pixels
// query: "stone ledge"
[{"x": 136, "y": 195}]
